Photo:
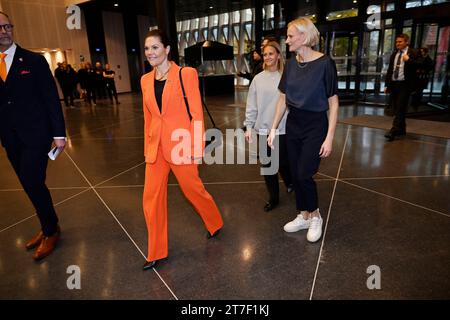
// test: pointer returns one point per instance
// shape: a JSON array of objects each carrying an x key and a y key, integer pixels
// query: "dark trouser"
[
  {"x": 416, "y": 97},
  {"x": 399, "y": 100},
  {"x": 272, "y": 180},
  {"x": 305, "y": 132},
  {"x": 30, "y": 165},
  {"x": 101, "y": 89},
  {"x": 111, "y": 88},
  {"x": 68, "y": 95},
  {"x": 90, "y": 94}
]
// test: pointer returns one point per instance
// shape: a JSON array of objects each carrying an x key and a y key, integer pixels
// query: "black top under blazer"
[{"x": 30, "y": 108}]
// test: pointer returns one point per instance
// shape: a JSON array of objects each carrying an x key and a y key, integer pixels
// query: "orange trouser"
[{"x": 155, "y": 202}]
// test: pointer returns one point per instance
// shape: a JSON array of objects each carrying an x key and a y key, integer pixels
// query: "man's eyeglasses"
[{"x": 6, "y": 27}]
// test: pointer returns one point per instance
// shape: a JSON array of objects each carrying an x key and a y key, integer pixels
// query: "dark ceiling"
[{"x": 185, "y": 9}]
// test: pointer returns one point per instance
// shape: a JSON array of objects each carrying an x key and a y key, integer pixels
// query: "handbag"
[{"x": 207, "y": 142}]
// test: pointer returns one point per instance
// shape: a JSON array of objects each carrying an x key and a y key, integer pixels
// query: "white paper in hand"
[{"x": 54, "y": 153}]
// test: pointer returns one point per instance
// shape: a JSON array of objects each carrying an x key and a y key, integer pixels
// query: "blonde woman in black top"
[{"x": 309, "y": 89}]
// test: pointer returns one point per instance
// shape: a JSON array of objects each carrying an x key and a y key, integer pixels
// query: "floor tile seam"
[
  {"x": 120, "y": 224},
  {"x": 103, "y": 127},
  {"x": 433, "y": 143},
  {"x": 355, "y": 127},
  {"x": 397, "y": 199},
  {"x": 119, "y": 174},
  {"x": 394, "y": 177},
  {"x": 228, "y": 121},
  {"x": 388, "y": 196},
  {"x": 380, "y": 178},
  {"x": 55, "y": 205},
  {"x": 205, "y": 183},
  {"x": 329, "y": 215},
  {"x": 107, "y": 139},
  {"x": 51, "y": 188}
]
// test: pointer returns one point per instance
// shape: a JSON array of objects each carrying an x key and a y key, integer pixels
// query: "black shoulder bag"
[{"x": 189, "y": 110}]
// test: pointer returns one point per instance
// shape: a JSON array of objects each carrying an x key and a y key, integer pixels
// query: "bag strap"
[{"x": 184, "y": 95}]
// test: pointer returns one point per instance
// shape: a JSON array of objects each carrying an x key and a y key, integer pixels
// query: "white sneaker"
[
  {"x": 315, "y": 229},
  {"x": 297, "y": 224}
]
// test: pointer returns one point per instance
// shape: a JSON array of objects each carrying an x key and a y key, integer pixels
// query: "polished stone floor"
[{"x": 385, "y": 206}]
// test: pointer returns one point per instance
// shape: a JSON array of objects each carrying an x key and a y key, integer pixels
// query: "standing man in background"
[
  {"x": 30, "y": 120},
  {"x": 399, "y": 82},
  {"x": 109, "y": 74}
]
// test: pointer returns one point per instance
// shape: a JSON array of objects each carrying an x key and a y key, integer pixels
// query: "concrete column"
[{"x": 165, "y": 17}]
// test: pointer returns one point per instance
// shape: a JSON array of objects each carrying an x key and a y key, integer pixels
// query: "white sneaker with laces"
[
  {"x": 315, "y": 229},
  {"x": 299, "y": 223}
]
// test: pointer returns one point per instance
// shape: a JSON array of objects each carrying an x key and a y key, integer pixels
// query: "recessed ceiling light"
[{"x": 116, "y": 4}]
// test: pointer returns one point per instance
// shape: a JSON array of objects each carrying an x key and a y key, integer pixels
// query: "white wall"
[
  {"x": 116, "y": 49},
  {"x": 41, "y": 25}
]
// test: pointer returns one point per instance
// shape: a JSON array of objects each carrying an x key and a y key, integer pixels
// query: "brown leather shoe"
[
  {"x": 35, "y": 241},
  {"x": 48, "y": 244}
]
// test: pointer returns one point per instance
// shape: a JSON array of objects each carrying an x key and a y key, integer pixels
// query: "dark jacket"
[
  {"x": 409, "y": 70},
  {"x": 29, "y": 102}
]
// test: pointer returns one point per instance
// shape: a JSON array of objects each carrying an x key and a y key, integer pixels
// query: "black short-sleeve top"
[{"x": 308, "y": 85}]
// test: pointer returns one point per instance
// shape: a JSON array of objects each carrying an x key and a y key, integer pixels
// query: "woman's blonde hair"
[
  {"x": 277, "y": 47},
  {"x": 309, "y": 29}
]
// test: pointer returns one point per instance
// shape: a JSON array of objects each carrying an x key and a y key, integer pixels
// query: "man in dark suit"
[
  {"x": 399, "y": 83},
  {"x": 30, "y": 120}
]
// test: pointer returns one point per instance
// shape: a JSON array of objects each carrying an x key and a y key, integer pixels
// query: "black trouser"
[
  {"x": 101, "y": 89},
  {"x": 30, "y": 165},
  {"x": 90, "y": 94},
  {"x": 399, "y": 99},
  {"x": 111, "y": 88},
  {"x": 272, "y": 179},
  {"x": 305, "y": 132},
  {"x": 68, "y": 95}
]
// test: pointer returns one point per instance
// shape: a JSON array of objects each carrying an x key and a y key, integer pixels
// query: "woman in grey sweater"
[{"x": 262, "y": 98}]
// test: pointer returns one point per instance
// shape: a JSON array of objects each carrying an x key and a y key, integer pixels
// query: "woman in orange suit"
[{"x": 165, "y": 116}]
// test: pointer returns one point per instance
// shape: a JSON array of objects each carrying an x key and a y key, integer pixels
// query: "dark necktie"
[{"x": 397, "y": 65}]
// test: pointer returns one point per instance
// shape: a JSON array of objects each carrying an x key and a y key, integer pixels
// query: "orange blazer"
[{"x": 159, "y": 126}]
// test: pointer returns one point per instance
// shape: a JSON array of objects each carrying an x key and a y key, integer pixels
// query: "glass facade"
[{"x": 236, "y": 28}]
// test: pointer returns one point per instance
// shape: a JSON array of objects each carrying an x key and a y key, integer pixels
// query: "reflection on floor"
[{"x": 384, "y": 204}]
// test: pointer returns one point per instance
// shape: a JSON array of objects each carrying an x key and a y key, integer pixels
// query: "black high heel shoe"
[
  {"x": 209, "y": 236},
  {"x": 149, "y": 265}
]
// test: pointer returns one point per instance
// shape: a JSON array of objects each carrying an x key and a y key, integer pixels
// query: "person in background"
[
  {"x": 69, "y": 85},
  {"x": 255, "y": 66},
  {"x": 82, "y": 80},
  {"x": 66, "y": 77},
  {"x": 309, "y": 89},
  {"x": 100, "y": 85},
  {"x": 262, "y": 98},
  {"x": 399, "y": 82},
  {"x": 109, "y": 74},
  {"x": 266, "y": 40},
  {"x": 91, "y": 84},
  {"x": 424, "y": 67}
]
